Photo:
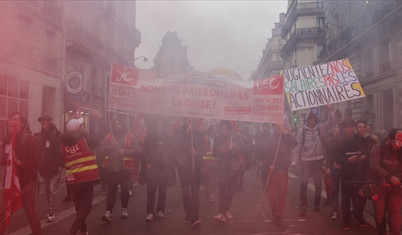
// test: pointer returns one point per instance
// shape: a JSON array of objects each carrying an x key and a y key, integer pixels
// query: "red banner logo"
[
  {"x": 269, "y": 86},
  {"x": 124, "y": 75}
]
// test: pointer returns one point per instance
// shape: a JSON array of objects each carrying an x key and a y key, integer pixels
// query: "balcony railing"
[
  {"x": 300, "y": 9},
  {"x": 276, "y": 65},
  {"x": 315, "y": 34},
  {"x": 372, "y": 16},
  {"x": 86, "y": 39}
]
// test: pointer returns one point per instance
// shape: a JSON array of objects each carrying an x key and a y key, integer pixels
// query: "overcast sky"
[{"x": 229, "y": 34}]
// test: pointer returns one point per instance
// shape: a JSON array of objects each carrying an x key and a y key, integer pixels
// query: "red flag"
[
  {"x": 286, "y": 124},
  {"x": 235, "y": 127},
  {"x": 139, "y": 130},
  {"x": 12, "y": 191},
  {"x": 201, "y": 125}
]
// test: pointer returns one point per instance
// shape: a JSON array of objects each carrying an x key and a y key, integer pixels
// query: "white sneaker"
[
  {"x": 50, "y": 217},
  {"x": 196, "y": 223},
  {"x": 160, "y": 215},
  {"x": 149, "y": 217},
  {"x": 228, "y": 215},
  {"x": 334, "y": 216},
  {"x": 107, "y": 217},
  {"x": 220, "y": 218},
  {"x": 124, "y": 213},
  {"x": 130, "y": 192}
]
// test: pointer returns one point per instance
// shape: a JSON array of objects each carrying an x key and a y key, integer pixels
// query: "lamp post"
[{"x": 145, "y": 59}]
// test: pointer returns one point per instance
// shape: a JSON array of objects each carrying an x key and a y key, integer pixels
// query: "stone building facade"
[
  {"x": 31, "y": 60},
  {"x": 369, "y": 33},
  {"x": 55, "y": 57},
  {"x": 171, "y": 57},
  {"x": 271, "y": 62}
]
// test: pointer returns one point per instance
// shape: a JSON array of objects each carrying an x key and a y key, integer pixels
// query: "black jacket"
[{"x": 52, "y": 158}]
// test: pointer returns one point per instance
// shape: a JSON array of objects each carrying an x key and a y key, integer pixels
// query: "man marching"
[
  {"x": 27, "y": 159},
  {"x": 386, "y": 165}
]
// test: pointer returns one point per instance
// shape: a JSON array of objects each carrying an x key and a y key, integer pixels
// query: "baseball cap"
[
  {"x": 44, "y": 117},
  {"x": 74, "y": 124}
]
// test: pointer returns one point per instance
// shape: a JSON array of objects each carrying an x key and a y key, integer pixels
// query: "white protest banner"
[
  {"x": 317, "y": 85},
  {"x": 197, "y": 94}
]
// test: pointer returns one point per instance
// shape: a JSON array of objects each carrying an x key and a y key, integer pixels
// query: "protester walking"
[
  {"x": 209, "y": 166},
  {"x": 27, "y": 159},
  {"x": 226, "y": 150},
  {"x": 275, "y": 166},
  {"x": 309, "y": 152},
  {"x": 386, "y": 165},
  {"x": 352, "y": 156},
  {"x": 118, "y": 150},
  {"x": 53, "y": 163},
  {"x": 159, "y": 163},
  {"x": 189, "y": 151},
  {"x": 82, "y": 171},
  {"x": 334, "y": 169}
]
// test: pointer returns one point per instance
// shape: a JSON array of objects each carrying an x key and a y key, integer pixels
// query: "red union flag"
[
  {"x": 124, "y": 75},
  {"x": 269, "y": 86},
  {"x": 12, "y": 191}
]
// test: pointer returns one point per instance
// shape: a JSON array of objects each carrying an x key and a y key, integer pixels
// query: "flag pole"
[{"x": 192, "y": 144}]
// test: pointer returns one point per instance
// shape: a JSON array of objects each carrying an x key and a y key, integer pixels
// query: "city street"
[{"x": 247, "y": 219}]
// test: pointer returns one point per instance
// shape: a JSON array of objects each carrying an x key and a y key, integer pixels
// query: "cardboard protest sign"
[
  {"x": 317, "y": 85},
  {"x": 197, "y": 94}
]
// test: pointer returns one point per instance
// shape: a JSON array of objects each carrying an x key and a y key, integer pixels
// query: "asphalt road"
[{"x": 248, "y": 220}]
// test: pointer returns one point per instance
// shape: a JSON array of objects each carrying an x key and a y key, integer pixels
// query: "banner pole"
[
  {"x": 270, "y": 173},
  {"x": 192, "y": 144}
]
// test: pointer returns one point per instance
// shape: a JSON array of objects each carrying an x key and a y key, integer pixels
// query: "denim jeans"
[
  {"x": 113, "y": 179},
  {"x": 226, "y": 189},
  {"x": 51, "y": 189},
  {"x": 190, "y": 184},
  {"x": 336, "y": 180},
  {"x": 350, "y": 192},
  {"x": 151, "y": 193},
  {"x": 82, "y": 199},
  {"x": 389, "y": 200},
  {"x": 310, "y": 169}
]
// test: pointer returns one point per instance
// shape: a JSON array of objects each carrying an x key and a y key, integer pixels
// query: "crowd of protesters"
[{"x": 351, "y": 161}]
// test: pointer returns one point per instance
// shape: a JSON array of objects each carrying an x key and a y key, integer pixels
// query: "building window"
[
  {"x": 388, "y": 105},
  {"x": 320, "y": 22},
  {"x": 369, "y": 63},
  {"x": 14, "y": 96},
  {"x": 386, "y": 56}
]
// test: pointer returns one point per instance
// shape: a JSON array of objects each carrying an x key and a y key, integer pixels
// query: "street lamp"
[{"x": 145, "y": 59}]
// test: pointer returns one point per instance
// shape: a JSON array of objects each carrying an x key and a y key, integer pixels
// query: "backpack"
[{"x": 304, "y": 138}]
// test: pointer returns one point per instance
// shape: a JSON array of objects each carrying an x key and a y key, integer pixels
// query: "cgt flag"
[{"x": 12, "y": 191}]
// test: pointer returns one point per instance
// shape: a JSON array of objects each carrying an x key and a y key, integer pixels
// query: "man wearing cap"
[
  {"x": 386, "y": 166},
  {"x": 309, "y": 152},
  {"x": 82, "y": 171},
  {"x": 53, "y": 163}
]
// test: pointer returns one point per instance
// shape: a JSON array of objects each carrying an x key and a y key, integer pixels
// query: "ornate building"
[
  {"x": 31, "y": 60},
  {"x": 97, "y": 33},
  {"x": 271, "y": 62},
  {"x": 304, "y": 40},
  {"x": 55, "y": 56},
  {"x": 303, "y": 33},
  {"x": 172, "y": 56},
  {"x": 369, "y": 33}
]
